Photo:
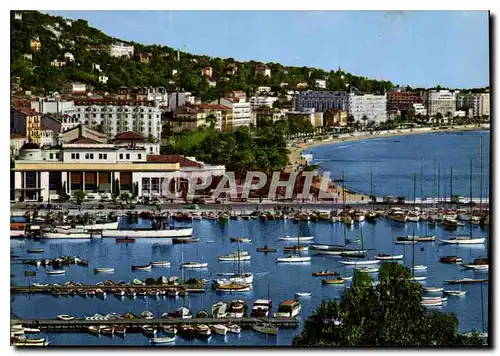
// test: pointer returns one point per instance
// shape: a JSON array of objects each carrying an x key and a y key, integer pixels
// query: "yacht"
[{"x": 288, "y": 308}]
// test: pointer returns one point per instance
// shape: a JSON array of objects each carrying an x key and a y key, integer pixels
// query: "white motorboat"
[
  {"x": 463, "y": 240},
  {"x": 367, "y": 269},
  {"x": 99, "y": 226},
  {"x": 160, "y": 264},
  {"x": 233, "y": 328},
  {"x": 245, "y": 277},
  {"x": 265, "y": 328},
  {"x": 476, "y": 267},
  {"x": 419, "y": 268},
  {"x": 360, "y": 262},
  {"x": 68, "y": 235},
  {"x": 293, "y": 259},
  {"x": 297, "y": 238},
  {"x": 235, "y": 257},
  {"x": 162, "y": 340},
  {"x": 432, "y": 289},
  {"x": 432, "y": 302},
  {"x": 383, "y": 256},
  {"x": 219, "y": 310},
  {"x": 104, "y": 270},
  {"x": 398, "y": 215},
  {"x": 149, "y": 233},
  {"x": 56, "y": 272},
  {"x": 16, "y": 233},
  {"x": 448, "y": 222},
  {"x": 226, "y": 286},
  {"x": 65, "y": 317},
  {"x": 288, "y": 308},
  {"x": 302, "y": 294},
  {"x": 219, "y": 329},
  {"x": 148, "y": 330},
  {"x": 194, "y": 265},
  {"x": 455, "y": 293},
  {"x": 418, "y": 278}
]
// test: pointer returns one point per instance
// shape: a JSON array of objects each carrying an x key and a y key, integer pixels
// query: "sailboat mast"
[
  {"x": 439, "y": 182},
  {"x": 451, "y": 184},
  {"x": 434, "y": 187},
  {"x": 422, "y": 179},
  {"x": 481, "y": 173},
  {"x": 470, "y": 187},
  {"x": 413, "y": 257},
  {"x": 414, "y": 190},
  {"x": 482, "y": 308}
]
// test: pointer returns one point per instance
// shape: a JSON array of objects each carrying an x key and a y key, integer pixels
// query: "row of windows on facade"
[
  {"x": 101, "y": 155},
  {"x": 110, "y": 116},
  {"x": 111, "y": 109}
]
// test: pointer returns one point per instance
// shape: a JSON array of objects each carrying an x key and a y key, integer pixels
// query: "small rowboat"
[
  {"x": 148, "y": 330},
  {"x": 169, "y": 329},
  {"x": 405, "y": 242},
  {"x": 464, "y": 241},
  {"x": 418, "y": 278},
  {"x": 108, "y": 331},
  {"x": 293, "y": 259},
  {"x": 450, "y": 259},
  {"x": 266, "y": 249},
  {"x": 120, "y": 330},
  {"x": 362, "y": 262},
  {"x": 432, "y": 289},
  {"x": 194, "y": 265},
  {"x": 324, "y": 274},
  {"x": 142, "y": 268},
  {"x": 184, "y": 240},
  {"x": 160, "y": 264},
  {"x": 456, "y": 293},
  {"x": 65, "y": 317},
  {"x": 56, "y": 272},
  {"x": 383, "y": 256},
  {"x": 104, "y": 270},
  {"x": 419, "y": 268},
  {"x": 125, "y": 240},
  {"x": 162, "y": 340},
  {"x": 35, "y": 250},
  {"x": 240, "y": 239},
  {"x": 303, "y": 294},
  {"x": 333, "y": 281},
  {"x": 233, "y": 328}
]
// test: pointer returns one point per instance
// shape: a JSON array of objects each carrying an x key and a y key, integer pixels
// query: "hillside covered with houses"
[{"x": 49, "y": 51}]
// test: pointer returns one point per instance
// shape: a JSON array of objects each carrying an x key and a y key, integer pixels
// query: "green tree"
[
  {"x": 390, "y": 314},
  {"x": 79, "y": 196},
  {"x": 125, "y": 197}
]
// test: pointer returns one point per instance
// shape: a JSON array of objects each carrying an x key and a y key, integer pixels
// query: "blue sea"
[
  {"x": 393, "y": 162},
  {"x": 281, "y": 281}
]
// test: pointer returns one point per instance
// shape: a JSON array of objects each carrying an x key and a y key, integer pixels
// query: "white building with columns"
[{"x": 98, "y": 169}]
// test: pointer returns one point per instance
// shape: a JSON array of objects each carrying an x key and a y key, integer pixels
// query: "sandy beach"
[{"x": 296, "y": 150}]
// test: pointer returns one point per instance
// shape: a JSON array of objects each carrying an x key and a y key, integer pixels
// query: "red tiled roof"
[
  {"x": 83, "y": 140},
  {"x": 26, "y": 111},
  {"x": 184, "y": 162},
  {"x": 213, "y": 107},
  {"x": 128, "y": 136}
]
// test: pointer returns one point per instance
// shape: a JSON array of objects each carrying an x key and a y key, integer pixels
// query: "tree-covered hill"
[{"x": 58, "y": 37}]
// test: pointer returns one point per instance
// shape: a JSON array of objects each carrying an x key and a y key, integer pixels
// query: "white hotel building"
[
  {"x": 91, "y": 166},
  {"x": 440, "y": 101},
  {"x": 120, "y": 50},
  {"x": 115, "y": 117},
  {"x": 369, "y": 105}
]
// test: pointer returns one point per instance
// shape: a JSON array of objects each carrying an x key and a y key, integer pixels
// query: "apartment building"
[
  {"x": 479, "y": 103},
  {"x": 53, "y": 105},
  {"x": 403, "y": 100},
  {"x": 440, "y": 101},
  {"x": 241, "y": 112},
  {"x": 117, "y": 116},
  {"x": 262, "y": 101},
  {"x": 27, "y": 122},
  {"x": 371, "y": 106}
]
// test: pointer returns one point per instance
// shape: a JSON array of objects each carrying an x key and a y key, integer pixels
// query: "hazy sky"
[{"x": 419, "y": 48}]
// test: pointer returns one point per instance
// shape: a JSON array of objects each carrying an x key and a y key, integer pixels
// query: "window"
[
  {"x": 150, "y": 149},
  {"x": 57, "y": 155},
  {"x": 105, "y": 155},
  {"x": 127, "y": 156},
  {"x": 139, "y": 156},
  {"x": 121, "y": 155},
  {"x": 77, "y": 155},
  {"x": 73, "y": 156},
  {"x": 87, "y": 155},
  {"x": 100, "y": 155},
  {"x": 91, "y": 156},
  {"x": 51, "y": 156}
]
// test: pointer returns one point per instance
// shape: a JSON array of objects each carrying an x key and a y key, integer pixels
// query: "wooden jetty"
[
  {"x": 191, "y": 288},
  {"x": 79, "y": 325}
]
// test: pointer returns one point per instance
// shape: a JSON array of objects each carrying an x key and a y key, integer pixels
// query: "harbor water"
[
  {"x": 278, "y": 281},
  {"x": 394, "y": 160}
]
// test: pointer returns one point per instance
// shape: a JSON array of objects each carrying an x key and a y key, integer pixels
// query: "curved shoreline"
[{"x": 296, "y": 152}]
